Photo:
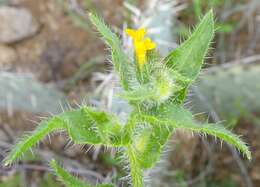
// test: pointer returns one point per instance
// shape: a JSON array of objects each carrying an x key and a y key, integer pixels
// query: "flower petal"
[
  {"x": 131, "y": 32},
  {"x": 149, "y": 44}
]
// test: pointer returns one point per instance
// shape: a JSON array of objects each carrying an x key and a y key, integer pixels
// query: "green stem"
[{"x": 135, "y": 169}]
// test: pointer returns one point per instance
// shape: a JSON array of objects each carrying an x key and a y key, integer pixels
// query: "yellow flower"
[
  {"x": 141, "y": 44},
  {"x": 136, "y": 35}
]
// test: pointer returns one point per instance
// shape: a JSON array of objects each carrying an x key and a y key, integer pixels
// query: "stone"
[
  {"x": 16, "y": 24},
  {"x": 7, "y": 55}
]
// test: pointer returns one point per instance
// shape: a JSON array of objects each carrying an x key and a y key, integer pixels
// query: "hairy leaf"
[
  {"x": 179, "y": 118},
  {"x": 66, "y": 178},
  {"x": 84, "y": 126},
  {"x": 188, "y": 58},
  {"x": 69, "y": 180},
  {"x": 150, "y": 144},
  {"x": 120, "y": 60},
  {"x": 44, "y": 128}
]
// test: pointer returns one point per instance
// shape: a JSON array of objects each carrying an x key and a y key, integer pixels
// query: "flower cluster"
[{"x": 141, "y": 44}]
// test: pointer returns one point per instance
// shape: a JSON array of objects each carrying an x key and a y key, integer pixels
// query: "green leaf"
[
  {"x": 150, "y": 143},
  {"x": 120, "y": 60},
  {"x": 66, "y": 178},
  {"x": 179, "y": 118},
  {"x": 148, "y": 140},
  {"x": 160, "y": 88},
  {"x": 88, "y": 126},
  {"x": 69, "y": 180},
  {"x": 218, "y": 131},
  {"x": 187, "y": 59},
  {"x": 84, "y": 126},
  {"x": 151, "y": 137},
  {"x": 44, "y": 128},
  {"x": 139, "y": 94}
]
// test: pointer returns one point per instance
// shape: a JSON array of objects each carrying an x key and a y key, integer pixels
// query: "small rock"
[
  {"x": 16, "y": 24},
  {"x": 7, "y": 55}
]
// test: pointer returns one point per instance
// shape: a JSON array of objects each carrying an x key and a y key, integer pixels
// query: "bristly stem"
[{"x": 135, "y": 169}]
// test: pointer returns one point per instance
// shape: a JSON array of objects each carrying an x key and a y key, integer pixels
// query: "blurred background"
[{"x": 52, "y": 59}]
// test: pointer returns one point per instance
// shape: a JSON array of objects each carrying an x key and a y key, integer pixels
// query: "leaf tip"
[
  {"x": 7, "y": 163},
  {"x": 249, "y": 155},
  {"x": 210, "y": 15},
  {"x": 211, "y": 12},
  {"x": 54, "y": 165}
]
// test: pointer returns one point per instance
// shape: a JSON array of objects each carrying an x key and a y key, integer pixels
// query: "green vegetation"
[{"x": 155, "y": 93}]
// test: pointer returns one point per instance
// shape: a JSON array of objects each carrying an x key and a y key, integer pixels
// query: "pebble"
[{"x": 16, "y": 24}]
